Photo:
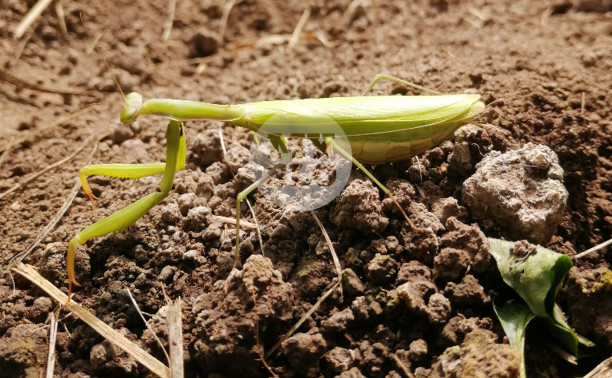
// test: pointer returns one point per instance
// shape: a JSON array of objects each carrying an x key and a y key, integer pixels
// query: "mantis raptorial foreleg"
[
  {"x": 175, "y": 160},
  {"x": 127, "y": 171}
]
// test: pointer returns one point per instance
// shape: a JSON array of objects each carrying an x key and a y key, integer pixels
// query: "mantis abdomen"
[{"x": 380, "y": 129}]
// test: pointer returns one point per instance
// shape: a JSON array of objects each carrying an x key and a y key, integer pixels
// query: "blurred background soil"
[{"x": 543, "y": 68}]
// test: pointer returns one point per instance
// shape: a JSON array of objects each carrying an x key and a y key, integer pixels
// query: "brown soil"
[{"x": 418, "y": 302}]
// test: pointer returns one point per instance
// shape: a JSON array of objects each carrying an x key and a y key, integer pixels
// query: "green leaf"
[
  {"x": 514, "y": 318},
  {"x": 562, "y": 331},
  {"x": 536, "y": 274}
]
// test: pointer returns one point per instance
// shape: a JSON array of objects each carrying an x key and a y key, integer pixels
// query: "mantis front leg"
[
  {"x": 175, "y": 160},
  {"x": 125, "y": 171}
]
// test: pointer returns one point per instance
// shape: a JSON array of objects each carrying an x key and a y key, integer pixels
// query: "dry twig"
[
  {"x": 403, "y": 367},
  {"x": 332, "y": 250},
  {"x": 35, "y": 175},
  {"x": 594, "y": 249},
  {"x": 303, "y": 318},
  {"x": 251, "y": 225},
  {"x": 93, "y": 42},
  {"x": 22, "y": 255},
  {"x": 22, "y": 44},
  {"x": 297, "y": 32},
  {"x": 604, "y": 369},
  {"x": 59, "y": 122},
  {"x": 147, "y": 323},
  {"x": 52, "y": 339},
  {"x": 59, "y": 11},
  {"x": 30, "y": 17},
  {"x": 545, "y": 16},
  {"x": 227, "y": 8},
  {"x": 73, "y": 192},
  {"x": 175, "y": 338},
  {"x": 98, "y": 325},
  {"x": 169, "y": 20},
  {"x": 261, "y": 244},
  {"x": 21, "y": 83},
  {"x": 260, "y": 347},
  {"x": 8, "y": 147}
]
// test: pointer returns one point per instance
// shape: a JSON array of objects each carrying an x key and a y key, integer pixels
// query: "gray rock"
[{"x": 520, "y": 190}]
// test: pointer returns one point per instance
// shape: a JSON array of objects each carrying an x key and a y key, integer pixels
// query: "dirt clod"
[
  {"x": 339, "y": 359},
  {"x": 304, "y": 351},
  {"x": 255, "y": 294},
  {"x": 351, "y": 283},
  {"x": 418, "y": 350},
  {"x": 359, "y": 206},
  {"x": 416, "y": 292},
  {"x": 521, "y": 190},
  {"x": 121, "y": 133},
  {"x": 338, "y": 322},
  {"x": 438, "y": 308},
  {"x": 409, "y": 271},
  {"x": 171, "y": 214},
  {"x": 22, "y": 349},
  {"x": 479, "y": 356},
  {"x": 186, "y": 202},
  {"x": 463, "y": 247},
  {"x": 458, "y": 326},
  {"x": 351, "y": 373},
  {"x": 206, "y": 148},
  {"x": 365, "y": 309},
  {"x": 40, "y": 309},
  {"x": 467, "y": 292},
  {"x": 381, "y": 269},
  {"x": 590, "y": 308},
  {"x": 374, "y": 357},
  {"x": 421, "y": 245},
  {"x": 447, "y": 207},
  {"x": 108, "y": 358},
  {"x": 197, "y": 219}
]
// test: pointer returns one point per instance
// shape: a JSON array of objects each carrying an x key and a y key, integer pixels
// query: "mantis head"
[{"x": 131, "y": 108}]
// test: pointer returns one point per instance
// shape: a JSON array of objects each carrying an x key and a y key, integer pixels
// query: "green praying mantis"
[{"x": 378, "y": 129}]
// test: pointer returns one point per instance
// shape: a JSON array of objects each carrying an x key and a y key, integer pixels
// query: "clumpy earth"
[
  {"x": 521, "y": 190},
  {"x": 413, "y": 302}
]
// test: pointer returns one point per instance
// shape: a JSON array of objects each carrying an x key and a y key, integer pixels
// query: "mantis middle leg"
[
  {"x": 175, "y": 160},
  {"x": 331, "y": 143}
]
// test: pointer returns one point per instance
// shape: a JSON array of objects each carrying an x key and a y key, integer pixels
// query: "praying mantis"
[{"x": 378, "y": 129}]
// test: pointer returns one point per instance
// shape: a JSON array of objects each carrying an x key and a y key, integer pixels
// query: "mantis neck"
[{"x": 183, "y": 110}]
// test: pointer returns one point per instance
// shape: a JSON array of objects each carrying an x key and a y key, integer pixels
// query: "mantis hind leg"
[
  {"x": 379, "y": 77},
  {"x": 128, "y": 171},
  {"x": 175, "y": 159},
  {"x": 331, "y": 143}
]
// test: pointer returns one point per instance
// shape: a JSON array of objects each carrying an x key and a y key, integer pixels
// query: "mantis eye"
[{"x": 131, "y": 108}]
